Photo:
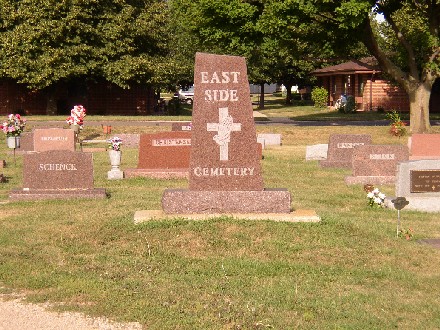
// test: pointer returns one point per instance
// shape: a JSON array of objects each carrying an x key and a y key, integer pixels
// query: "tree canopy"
[{"x": 123, "y": 41}]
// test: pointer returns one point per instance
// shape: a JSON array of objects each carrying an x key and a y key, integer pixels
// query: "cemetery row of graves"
[{"x": 110, "y": 235}]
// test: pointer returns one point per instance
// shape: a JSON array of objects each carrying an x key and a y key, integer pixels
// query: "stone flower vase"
[
  {"x": 75, "y": 128},
  {"x": 13, "y": 142},
  {"x": 115, "y": 159}
]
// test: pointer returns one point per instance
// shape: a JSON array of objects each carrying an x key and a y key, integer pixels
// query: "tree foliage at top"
[
  {"x": 123, "y": 41},
  {"x": 406, "y": 44}
]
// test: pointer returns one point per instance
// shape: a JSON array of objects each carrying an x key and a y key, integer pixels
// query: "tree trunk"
[
  {"x": 419, "y": 108},
  {"x": 261, "y": 105},
  {"x": 51, "y": 104},
  {"x": 288, "y": 93}
]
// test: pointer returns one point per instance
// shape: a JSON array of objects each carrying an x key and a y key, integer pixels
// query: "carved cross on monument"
[{"x": 224, "y": 127}]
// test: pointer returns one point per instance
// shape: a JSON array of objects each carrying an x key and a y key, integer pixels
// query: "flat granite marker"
[
  {"x": 225, "y": 171},
  {"x": 57, "y": 174},
  {"x": 163, "y": 155}
]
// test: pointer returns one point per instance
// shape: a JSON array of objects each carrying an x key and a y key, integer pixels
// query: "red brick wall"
[
  {"x": 98, "y": 98},
  {"x": 384, "y": 95}
]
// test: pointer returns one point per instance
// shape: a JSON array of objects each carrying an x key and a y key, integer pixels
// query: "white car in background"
[{"x": 186, "y": 95}]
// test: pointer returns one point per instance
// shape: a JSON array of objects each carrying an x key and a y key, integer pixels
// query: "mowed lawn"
[{"x": 349, "y": 271}]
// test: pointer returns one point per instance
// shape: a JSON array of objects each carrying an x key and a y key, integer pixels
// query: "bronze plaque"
[{"x": 425, "y": 181}]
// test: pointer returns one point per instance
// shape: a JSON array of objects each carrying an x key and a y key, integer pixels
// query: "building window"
[{"x": 360, "y": 85}]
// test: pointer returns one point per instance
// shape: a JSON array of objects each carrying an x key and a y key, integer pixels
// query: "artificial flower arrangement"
[
  {"x": 14, "y": 125},
  {"x": 375, "y": 197},
  {"x": 77, "y": 115},
  {"x": 397, "y": 125},
  {"x": 115, "y": 143}
]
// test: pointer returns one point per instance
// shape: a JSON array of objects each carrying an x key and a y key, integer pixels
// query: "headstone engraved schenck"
[
  {"x": 57, "y": 174},
  {"x": 57, "y": 167}
]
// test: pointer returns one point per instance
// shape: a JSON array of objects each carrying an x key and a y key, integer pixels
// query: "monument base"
[
  {"x": 423, "y": 204},
  {"x": 335, "y": 163},
  {"x": 115, "y": 175},
  {"x": 296, "y": 216},
  {"x": 184, "y": 201},
  {"x": 40, "y": 194},
  {"x": 175, "y": 173},
  {"x": 370, "y": 179}
]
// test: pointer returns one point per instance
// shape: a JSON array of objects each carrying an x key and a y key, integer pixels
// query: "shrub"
[
  {"x": 319, "y": 97},
  {"x": 350, "y": 106}
]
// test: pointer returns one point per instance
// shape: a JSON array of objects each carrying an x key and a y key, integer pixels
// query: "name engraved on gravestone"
[
  {"x": 54, "y": 139},
  {"x": 425, "y": 181},
  {"x": 224, "y": 154},
  {"x": 58, "y": 169},
  {"x": 382, "y": 156},
  {"x": 171, "y": 142},
  {"x": 349, "y": 145}
]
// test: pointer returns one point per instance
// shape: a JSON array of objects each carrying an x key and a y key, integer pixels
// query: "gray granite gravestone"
[
  {"x": 376, "y": 164},
  {"x": 57, "y": 175},
  {"x": 269, "y": 139},
  {"x": 419, "y": 182},
  {"x": 317, "y": 152},
  {"x": 225, "y": 171},
  {"x": 340, "y": 149}
]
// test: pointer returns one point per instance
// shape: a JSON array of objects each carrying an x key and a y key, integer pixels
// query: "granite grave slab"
[
  {"x": 26, "y": 142},
  {"x": 376, "y": 164},
  {"x": 181, "y": 126},
  {"x": 419, "y": 182},
  {"x": 163, "y": 155},
  {"x": 269, "y": 139},
  {"x": 54, "y": 139},
  {"x": 57, "y": 174},
  {"x": 424, "y": 146},
  {"x": 225, "y": 171},
  {"x": 317, "y": 152},
  {"x": 340, "y": 149}
]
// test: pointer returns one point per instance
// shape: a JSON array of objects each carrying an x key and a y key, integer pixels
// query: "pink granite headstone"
[
  {"x": 424, "y": 146},
  {"x": 57, "y": 174},
  {"x": 181, "y": 126},
  {"x": 340, "y": 149},
  {"x": 376, "y": 164},
  {"x": 163, "y": 155},
  {"x": 54, "y": 139},
  {"x": 225, "y": 171}
]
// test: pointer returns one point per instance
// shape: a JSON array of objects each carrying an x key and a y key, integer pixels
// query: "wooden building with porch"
[{"x": 363, "y": 80}]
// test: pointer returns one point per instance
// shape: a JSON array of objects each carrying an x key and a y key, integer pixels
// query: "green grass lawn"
[{"x": 347, "y": 272}]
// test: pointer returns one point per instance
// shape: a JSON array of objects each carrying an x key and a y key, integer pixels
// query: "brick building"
[
  {"x": 99, "y": 98},
  {"x": 363, "y": 80}
]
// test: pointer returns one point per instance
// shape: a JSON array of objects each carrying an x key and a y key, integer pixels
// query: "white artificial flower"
[{"x": 370, "y": 195}]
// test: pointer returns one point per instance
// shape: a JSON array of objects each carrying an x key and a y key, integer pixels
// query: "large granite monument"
[{"x": 225, "y": 172}]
